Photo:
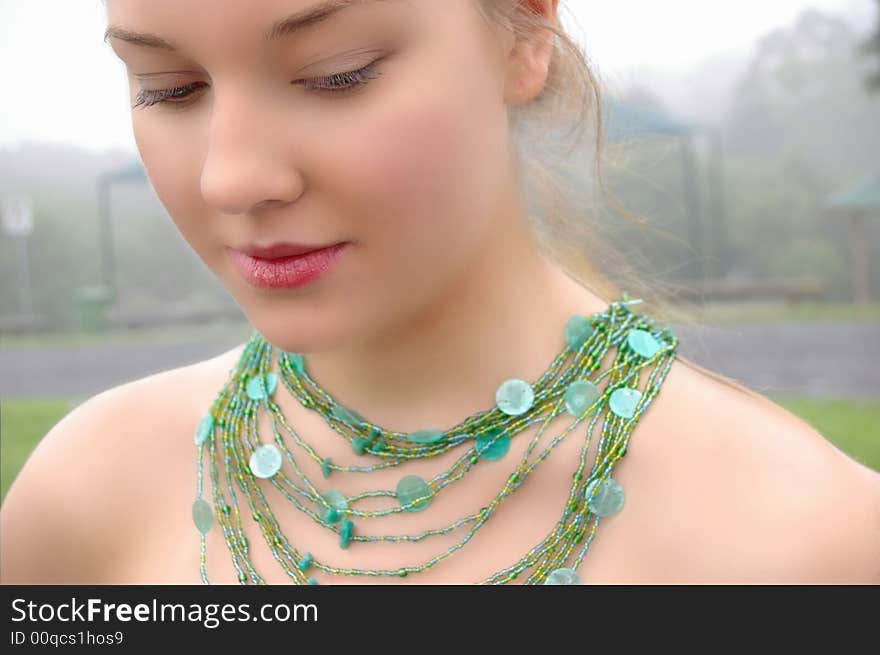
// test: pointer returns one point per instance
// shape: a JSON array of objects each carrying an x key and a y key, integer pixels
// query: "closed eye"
[{"x": 335, "y": 83}]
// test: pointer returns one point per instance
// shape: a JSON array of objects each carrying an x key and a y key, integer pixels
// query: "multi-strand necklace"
[{"x": 238, "y": 456}]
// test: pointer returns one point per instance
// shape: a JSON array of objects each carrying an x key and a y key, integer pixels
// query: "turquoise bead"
[
  {"x": 563, "y": 576},
  {"x": 265, "y": 461},
  {"x": 312, "y": 581},
  {"x": 623, "y": 401},
  {"x": 297, "y": 363},
  {"x": 337, "y": 501},
  {"x": 325, "y": 468},
  {"x": 580, "y": 395},
  {"x": 261, "y": 386},
  {"x": 577, "y": 330},
  {"x": 409, "y": 489},
  {"x": 515, "y": 397},
  {"x": 348, "y": 416},
  {"x": 204, "y": 429},
  {"x": 305, "y": 562},
  {"x": 359, "y": 445},
  {"x": 371, "y": 442},
  {"x": 425, "y": 436},
  {"x": 604, "y": 497},
  {"x": 493, "y": 444},
  {"x": 345, "y": 534},
  {"x": 202, "y": 515},
  {"x": 643, "y": 343}
]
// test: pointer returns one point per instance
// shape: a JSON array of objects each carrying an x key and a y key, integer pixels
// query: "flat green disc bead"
[
  {"x": 604, "y": 497},
  {"x": 261, "y": 386},
  {"x": 493, "y": 444},
  {"x": 579, "y": 396},
  {"x": 577, "y": 330},
  {"x": 409, "y": 489},
  {"x": 563, "y": 576},
  {"x": 337, "y": 501},
  {"x": 514, "y": 397},
  {"x": 202, "y": 515},
  {"x": 204, "y": 429},
  {"x": 643, "y": 343},
  {"x": 623, "y": 401},
  {"x": 425, "y": 436},
  {"x": 265, "y": 461}
]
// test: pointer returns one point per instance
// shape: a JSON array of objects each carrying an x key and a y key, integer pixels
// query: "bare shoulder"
[
  {"x": 71, "y": 513},
  {"x": 735, "y": 488}
]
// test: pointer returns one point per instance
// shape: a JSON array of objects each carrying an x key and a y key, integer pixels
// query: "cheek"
[
  {"x": 419, "y": 172},
  {"x": 428, "y": 156},
  {"x": 412, "y": 157},
  {"x": 171, "y": 159}
]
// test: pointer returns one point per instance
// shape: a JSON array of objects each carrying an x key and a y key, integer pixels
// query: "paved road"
[
  {"x": 819, "y": 359},
  {"x": 822, "y": 359}
]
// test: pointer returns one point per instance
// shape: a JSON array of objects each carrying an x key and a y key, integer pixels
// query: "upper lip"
[{"x": 278, "y": 250}]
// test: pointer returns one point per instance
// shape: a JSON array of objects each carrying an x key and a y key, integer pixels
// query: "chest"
[{"x": 451, "y": 550}]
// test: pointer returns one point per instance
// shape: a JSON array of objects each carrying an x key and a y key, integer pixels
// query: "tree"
[
  {"x": 802, "y": 102},
  {"x": 871, "y": 48}
]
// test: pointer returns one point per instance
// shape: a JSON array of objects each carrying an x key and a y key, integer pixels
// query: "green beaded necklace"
[{"x": 228, "y": 433}]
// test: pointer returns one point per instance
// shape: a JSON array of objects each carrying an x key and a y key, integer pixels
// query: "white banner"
[{"x": 17, "y": 214}]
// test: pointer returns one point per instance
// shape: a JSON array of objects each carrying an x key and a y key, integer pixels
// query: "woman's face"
[{"x": 252, "y": 148}]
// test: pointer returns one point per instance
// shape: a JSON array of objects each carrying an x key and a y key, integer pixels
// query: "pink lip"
[
  {"x": 276, "y": 268},
  {"x": 280, "y": 250}
]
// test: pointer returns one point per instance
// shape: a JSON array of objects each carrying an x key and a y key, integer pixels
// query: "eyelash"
[{"x": 338, "y": 83}]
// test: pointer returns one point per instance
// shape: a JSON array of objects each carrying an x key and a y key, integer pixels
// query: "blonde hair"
[{"x": 572, "y": 98}]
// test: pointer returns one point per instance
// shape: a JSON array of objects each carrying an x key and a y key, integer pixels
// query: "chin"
[{"x": 300, "y": 336}]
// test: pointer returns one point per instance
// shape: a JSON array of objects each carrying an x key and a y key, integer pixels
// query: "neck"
[{"x": 502, "y": 317}]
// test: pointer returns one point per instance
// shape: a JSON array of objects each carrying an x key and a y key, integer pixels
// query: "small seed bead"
[{"x": 234, "y": 436}]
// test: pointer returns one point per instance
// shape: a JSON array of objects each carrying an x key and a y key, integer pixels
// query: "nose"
[{"x": 247, "y": 163}]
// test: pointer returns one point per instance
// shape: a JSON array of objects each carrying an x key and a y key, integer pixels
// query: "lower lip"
[{"x": 287, "y": 272}]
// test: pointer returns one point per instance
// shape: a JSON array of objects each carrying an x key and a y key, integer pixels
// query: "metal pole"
[
  {"x": 692, "y": 200},
  {"x": 105, "y": 230},
  {"x": 25, "y": 290},
  {"x": 861, "y": 259},
  {"x": 719, "y": 206}
]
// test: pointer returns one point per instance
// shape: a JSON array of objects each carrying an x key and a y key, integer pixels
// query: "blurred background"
[{"x": 750, "y": 132}]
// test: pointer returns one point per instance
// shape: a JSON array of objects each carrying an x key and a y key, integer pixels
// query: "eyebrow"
[{"x": 284, "y": 27}]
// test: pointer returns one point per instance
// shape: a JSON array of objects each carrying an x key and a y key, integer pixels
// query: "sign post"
[{"x": 18, "y": 223}]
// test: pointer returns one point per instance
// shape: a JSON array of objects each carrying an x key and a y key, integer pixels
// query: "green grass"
[
  {"x": 23, "y": 422},
  {"x": 853, "y": 426}
]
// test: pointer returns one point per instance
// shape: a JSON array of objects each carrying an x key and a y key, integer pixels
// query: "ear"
[{"x": 529, "y": 60}]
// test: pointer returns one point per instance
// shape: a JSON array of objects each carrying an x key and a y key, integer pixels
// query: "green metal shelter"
[{"x": 859, "y": 201}]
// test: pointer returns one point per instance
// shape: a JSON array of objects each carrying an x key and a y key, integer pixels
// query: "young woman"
[{"x": 399, "y": 415}]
